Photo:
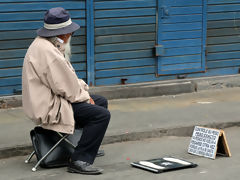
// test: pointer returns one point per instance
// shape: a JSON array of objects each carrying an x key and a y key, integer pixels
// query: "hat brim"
[{"x": 43, "y": 32}]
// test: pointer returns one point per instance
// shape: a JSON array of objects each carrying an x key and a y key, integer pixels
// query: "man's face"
[
  {"x": 65, "y": 37},
  {"x": 68, "y": 36},
  {"x": 67, "y": 44}
]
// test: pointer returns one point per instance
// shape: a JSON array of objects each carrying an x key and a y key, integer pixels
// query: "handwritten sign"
[{"x": 204, "y": 142}]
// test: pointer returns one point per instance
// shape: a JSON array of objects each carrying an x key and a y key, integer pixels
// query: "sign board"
[{"x": 208, "y": 142}]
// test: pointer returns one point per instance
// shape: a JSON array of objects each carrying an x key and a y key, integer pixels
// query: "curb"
[
  {"x": 145, "y": 90},
  {"x": 148, "y": 89},
  {"x": 133, "y": 136},
  {"x": 122, "y": 92}
]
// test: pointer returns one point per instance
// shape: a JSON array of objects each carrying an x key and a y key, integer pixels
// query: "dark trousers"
[{"x": 94, "y": 120}]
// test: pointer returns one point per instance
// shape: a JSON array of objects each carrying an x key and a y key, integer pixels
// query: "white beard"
[{"x": 68, "y": 50}]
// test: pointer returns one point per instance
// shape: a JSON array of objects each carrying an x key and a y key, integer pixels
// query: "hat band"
[{"x": 58, "y": 26}]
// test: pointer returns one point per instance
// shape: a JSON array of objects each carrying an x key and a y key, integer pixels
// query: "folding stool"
[{"x": 48, "y": 141}]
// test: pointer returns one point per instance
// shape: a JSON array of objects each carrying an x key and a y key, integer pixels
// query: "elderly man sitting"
[{"x": 55, "y": 98}]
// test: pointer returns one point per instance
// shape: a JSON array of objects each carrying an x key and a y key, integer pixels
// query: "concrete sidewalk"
[
  {"x": 116, "y": 162},
  {"x": 139, "y": 118}
]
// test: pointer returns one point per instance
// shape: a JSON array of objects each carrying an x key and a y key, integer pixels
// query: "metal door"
[{"x": 181, "y": 36}]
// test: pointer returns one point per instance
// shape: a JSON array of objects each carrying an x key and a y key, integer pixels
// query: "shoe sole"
[
  {"x": 100, "y": 153},
  {"x": 83, "y": 172}
]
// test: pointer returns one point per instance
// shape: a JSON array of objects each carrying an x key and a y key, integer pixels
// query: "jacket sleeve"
[
  {"x": 64, "y": 82},
  {"x": 83, "y": 84}
]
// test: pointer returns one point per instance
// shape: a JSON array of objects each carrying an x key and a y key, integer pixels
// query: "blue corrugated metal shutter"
[
  {"x": 181, "y": 36},
  {"x": 223, "y": 50},
  {"x": 125, "y": 34},
  {"x": 18, "y": 21}
]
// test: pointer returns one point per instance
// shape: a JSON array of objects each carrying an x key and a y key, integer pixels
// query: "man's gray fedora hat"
[{"x": 57, "y": 21}]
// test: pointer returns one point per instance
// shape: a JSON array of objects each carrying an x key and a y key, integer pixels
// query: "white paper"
[
  {"x": 149, "y": 164},
  {"x": 177, "y": 161}
]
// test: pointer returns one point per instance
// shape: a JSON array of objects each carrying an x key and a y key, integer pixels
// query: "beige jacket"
[{"x": 49, "y": 86}]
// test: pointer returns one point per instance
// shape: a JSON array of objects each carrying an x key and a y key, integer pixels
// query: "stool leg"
[
  {"x": 69, "y": 142},
  {"x": 29, "y": 157},
  {"x": 35, "y": 167}
]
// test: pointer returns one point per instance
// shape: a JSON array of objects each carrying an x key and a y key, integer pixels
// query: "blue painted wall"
[
  {"x": 125, "y": 37},
  {"x": 127, "y": 33},
  {"x": 18, "y": 21},
  {"x": 223, "y": 34},
  {"x": 117, "y": 40}
]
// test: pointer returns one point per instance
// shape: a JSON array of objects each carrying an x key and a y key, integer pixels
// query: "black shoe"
[
  {"x": 83, "y": 168},
  {"x": 100, "y": 153}
]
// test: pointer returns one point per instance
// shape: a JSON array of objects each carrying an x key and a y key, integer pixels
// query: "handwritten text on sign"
[{"x": 204, "y": 142}]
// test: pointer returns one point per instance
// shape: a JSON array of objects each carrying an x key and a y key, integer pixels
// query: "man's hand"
[{"x": 92, "y": 101}]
